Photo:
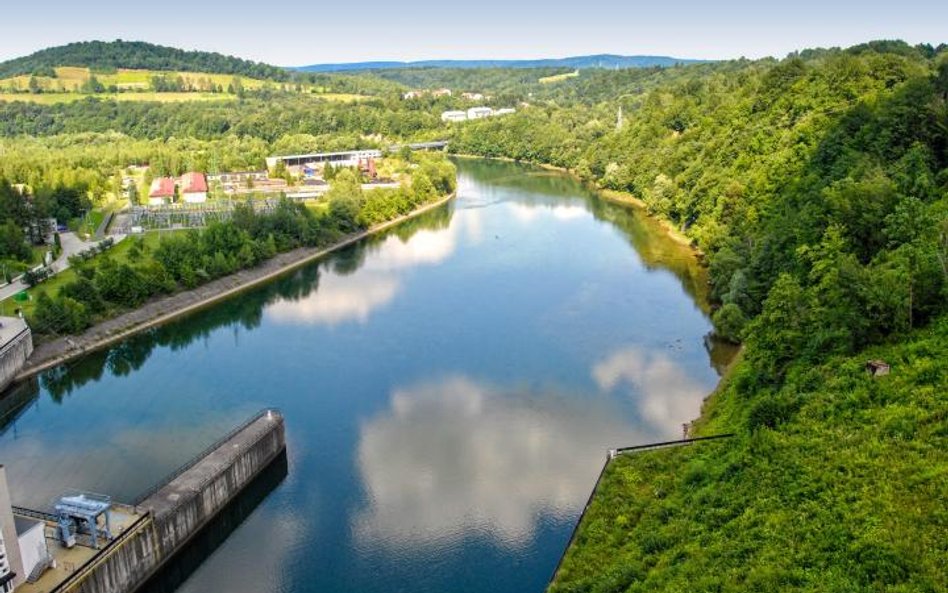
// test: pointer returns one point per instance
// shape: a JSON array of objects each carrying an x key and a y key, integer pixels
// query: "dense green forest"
[
  {"x": 106, "y": 56},
  {"x": 816, "y": 187}
]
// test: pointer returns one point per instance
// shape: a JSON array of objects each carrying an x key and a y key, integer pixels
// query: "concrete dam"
[{"x": 153, "y": 530}]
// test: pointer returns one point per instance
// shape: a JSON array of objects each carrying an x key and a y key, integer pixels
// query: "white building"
[
  {"x": 479, "y": 112},
  {"x": 505, "y": 111},
  {"x": 193, "y": 187},
  {"x": 31, "y": 537},
  {"x": 350, "y": 158},
  {"x": 454, "y": 116},
  {"x": 11, "y": 567}
]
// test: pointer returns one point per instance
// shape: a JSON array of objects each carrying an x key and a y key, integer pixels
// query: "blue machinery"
[{"x": 79, "y": 513}]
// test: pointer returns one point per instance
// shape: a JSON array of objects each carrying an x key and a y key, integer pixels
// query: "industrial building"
[
  {"x": 454, "y": 116},
  {"x": 161, "y": 192},
  {"x": 475, "y": 113},
  {"x": 192, "y": 187},
  {"x": 349, "y": 158}
]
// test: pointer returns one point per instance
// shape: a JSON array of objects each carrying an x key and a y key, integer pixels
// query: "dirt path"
[{"x": 162, "y": 310}]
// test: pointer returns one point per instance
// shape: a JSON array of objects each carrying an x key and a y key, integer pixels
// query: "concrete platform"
[{"x": 69, "y": 561}]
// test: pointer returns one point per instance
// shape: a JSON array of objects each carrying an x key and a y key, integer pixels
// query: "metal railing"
[
  {"x": 204, "y": 453},
  {"x": 665, "y": 444},
  {"x": 34, "y": 514}
]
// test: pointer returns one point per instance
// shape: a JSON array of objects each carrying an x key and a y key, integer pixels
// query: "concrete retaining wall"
[
  {"x": 16, "y": 345},
  {"x": 179, "y": 509}
]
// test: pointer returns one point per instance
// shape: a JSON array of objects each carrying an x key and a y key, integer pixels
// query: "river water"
[{"x": 450, "y": 391}]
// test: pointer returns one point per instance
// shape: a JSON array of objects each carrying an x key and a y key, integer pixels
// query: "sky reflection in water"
[{"x": 450, "y": 390}]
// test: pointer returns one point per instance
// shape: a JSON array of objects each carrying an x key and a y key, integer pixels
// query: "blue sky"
[{"x": 295, "y": 33}]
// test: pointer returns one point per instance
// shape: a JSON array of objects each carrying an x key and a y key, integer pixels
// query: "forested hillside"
[
  {"x": 110, "y": 55},
  {"x": 816, "y": 186}
]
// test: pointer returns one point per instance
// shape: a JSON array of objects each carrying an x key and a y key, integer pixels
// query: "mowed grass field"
[
  {"x": 69, "y": 79},
  {"x": 53, "y": 98},
  {"x": 559, "y": 77},
  {"x": 136, "y": 85}
]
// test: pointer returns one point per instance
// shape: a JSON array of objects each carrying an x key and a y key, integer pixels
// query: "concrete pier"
[{"x": 174, "y": 512}]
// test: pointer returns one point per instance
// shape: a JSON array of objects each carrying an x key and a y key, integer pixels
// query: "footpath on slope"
[{"x": 156, "y": 312}]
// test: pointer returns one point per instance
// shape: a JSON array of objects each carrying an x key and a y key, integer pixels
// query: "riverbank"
[
  {"x": 611, "y": 195},
  {"x": 165, "y": 309}
]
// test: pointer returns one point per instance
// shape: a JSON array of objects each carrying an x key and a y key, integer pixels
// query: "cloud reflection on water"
[
  {"x": 455, "y": 457},
  {"x": 342, "y": 298},
  {"x": 664, "y": 394}
]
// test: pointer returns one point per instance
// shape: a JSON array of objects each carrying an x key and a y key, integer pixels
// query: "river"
[{"x": 450, "y": 389}]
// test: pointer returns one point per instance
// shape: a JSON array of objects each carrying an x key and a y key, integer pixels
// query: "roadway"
[{"x": 71, "y": 246}]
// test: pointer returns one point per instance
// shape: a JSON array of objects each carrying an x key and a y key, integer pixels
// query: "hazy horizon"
[{"x": 297, "y": 34}]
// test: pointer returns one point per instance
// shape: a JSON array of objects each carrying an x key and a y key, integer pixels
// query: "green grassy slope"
[{"x": 835, "y": 482}]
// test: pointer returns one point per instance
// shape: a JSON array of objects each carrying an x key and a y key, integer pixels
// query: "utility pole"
[{"x": 619, "y": 119}]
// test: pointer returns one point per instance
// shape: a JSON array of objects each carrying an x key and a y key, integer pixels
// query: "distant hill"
[
  {"x": 111, "y": 55},
  {"x": 597, "y": 61}
]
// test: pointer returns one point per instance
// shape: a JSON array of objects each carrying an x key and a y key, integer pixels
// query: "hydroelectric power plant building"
[{"x": 92, "y": 544}]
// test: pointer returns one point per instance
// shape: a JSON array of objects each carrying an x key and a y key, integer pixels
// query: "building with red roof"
[
  {"x": 193, "y": 187},
  {"x": 162, "y": 191}
]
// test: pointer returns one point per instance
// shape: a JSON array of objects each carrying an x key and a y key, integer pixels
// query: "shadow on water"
[
  {"x": 198, "y": 550},
  {"x": 16, "y": 401}
]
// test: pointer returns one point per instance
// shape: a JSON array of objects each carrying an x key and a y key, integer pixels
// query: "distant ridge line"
[{"x": 605, "y": 61}]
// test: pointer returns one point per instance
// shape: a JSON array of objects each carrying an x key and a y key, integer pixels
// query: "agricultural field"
[
  {"x": 70, "y": 79},
  {"x": 54, "y": 98},
  {"x": 559, "y": 77}
]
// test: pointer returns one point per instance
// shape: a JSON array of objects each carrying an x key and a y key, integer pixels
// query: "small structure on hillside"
[
  {"x": 367, "y": 168},
  {"x": 877, "y": 368},
  {"x": 454, "y": 116},
  {"x": 479, "y": 112}
]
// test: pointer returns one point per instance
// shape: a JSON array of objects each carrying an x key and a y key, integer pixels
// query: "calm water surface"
[{"x": 450, "y": 391}]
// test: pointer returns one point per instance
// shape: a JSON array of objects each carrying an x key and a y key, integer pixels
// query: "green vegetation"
[
  {"x": 817, "y": 189},
  {"x": 107, "y": 284},
  {"x": 836, "y": 482},
  {"x": 109, "y": 56}
]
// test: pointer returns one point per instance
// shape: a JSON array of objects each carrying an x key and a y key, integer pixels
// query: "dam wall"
[{"x": 174, "y": 512}]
